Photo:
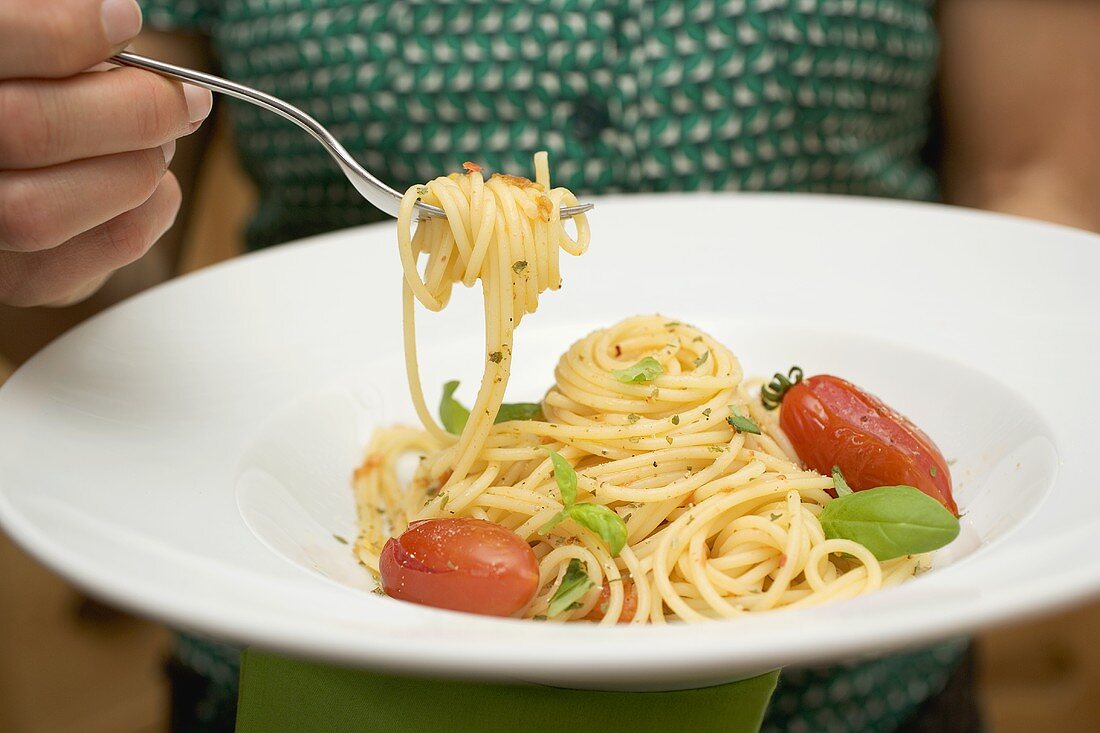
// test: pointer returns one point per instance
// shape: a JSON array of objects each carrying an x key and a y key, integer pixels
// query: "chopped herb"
[
  {"x": 540, "y": 617},
  {"x": 933, "y": 471},
  {"x": 339, "y": 539},
  {"x": 444, "y": 498},
  {"x": 633, "y": 418},
  {"x": 675, "y": 419},
  {"x": 672, "y": 324},
  {"x": 496, "y": 357},
  {"x": 519, "y": 266},
  {"x": 741, "y": 423},
  {"x": 706, "y": 413},
  {"x": 668, "y": 439},
  {"x": 573, "y": 586},
  {"x": 377, "y": 590},
  {"x": 841, "y": 486},
  {"x": 716, "y": 448},
  {"x": 774, "y": 516},
  {"x": 702, "y": 359},
  {"x": 646, "y": 370},
  {"x": 627, "y": 516}
]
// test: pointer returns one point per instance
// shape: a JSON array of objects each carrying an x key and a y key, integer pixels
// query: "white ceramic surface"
[{"x": 188, "y": 454}]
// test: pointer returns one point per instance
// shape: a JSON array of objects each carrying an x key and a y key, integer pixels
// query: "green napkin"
[{"x": 279, "y": 694}]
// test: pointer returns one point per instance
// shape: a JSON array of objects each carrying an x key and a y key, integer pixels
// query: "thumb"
[{"x": 59, "y": 38}]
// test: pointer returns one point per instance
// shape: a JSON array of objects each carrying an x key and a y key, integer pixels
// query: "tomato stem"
[{"x": 772, "y": 393}]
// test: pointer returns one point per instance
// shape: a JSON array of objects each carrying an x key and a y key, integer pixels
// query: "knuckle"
[
  {"x": 152, "y": 172},
  {"x": 144, "y": 171},
  {"x": 22, "y": 214},
  {"x": 27, "y": 281},
  {"x": 174, "y": 193},
  {"x": 13, "y": 281},
  {"x": 160, "y": 112},
  {"x": 71, "y": 46},
  {"x": 25, "y": 132},
  {"x": 124, "y": 239}
]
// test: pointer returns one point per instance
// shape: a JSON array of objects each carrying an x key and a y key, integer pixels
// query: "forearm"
[
  {"x": 23, "y": 331},
  {"x": 1042, "y": 190},
  {"x": 1021, "y": 107}
]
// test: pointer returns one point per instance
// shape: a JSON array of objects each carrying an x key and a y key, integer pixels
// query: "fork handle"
[{"x": 372, "y": 189}]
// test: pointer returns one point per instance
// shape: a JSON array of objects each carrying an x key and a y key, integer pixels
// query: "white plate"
[{"x": 188, "y": 454}]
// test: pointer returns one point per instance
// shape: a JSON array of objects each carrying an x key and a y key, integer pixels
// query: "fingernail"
[
  {"x": 169, "y": 150},
  {"x": 199, "y": 102},
  {"x": 121, "y": 20}
]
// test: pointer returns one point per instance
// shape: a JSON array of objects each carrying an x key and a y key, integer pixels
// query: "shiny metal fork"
[{"x": 373, "y": 190}]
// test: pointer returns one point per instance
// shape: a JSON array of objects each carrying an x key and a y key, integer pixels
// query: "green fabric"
[
  {"x": 184, "y": 15},
  {"x": 627, "y": 95},
  {"x": 279, "y": 695}
]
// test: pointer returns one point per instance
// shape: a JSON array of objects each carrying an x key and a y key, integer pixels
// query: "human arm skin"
[
  {"x": 1020, "y": 98},
  {"x": 23, "y": 331}
]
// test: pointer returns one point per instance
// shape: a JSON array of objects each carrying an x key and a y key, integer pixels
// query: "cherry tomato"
[
  {"x": 462, "y": 564},
  {"x": 630, "y": 603},
  {"x": 832, "y": 422}
]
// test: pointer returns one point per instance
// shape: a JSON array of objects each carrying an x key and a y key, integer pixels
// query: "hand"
[{"x": 84, "y": 153}]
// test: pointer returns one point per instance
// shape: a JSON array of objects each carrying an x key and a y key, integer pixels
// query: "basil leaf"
[
  {"x": 554, "y": 521},
  {"x": 741, "y": 423},
  {"x": 646, "y": 370},
  {"x": 603, "y": 521},
  {"x": 451, "y": 412},
  {"x": 565, "y": 477},
  {"x": 519, "y": 411},
  {"x": 454, "y": 415},
  {"x": 573, "y": 587},
  {"x": 841, "y": 486},
  {"x": 890, "y": 521}
]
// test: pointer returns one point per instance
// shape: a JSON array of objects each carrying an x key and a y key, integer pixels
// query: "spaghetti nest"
[{"x": 720, "y": 521}]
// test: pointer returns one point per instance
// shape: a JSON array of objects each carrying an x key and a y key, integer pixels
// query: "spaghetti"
[{"x": 720, "y": 521}]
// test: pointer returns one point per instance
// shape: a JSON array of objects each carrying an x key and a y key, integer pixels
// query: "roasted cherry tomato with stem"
[
  {"x": 461, "y": 564},
  {"x": 831, "y": 422}
]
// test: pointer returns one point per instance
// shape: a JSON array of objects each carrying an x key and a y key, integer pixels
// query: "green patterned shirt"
[{"x": 627, "y": 95}]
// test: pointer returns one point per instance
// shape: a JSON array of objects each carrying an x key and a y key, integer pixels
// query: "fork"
[{"x": 373, "y": 190}]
